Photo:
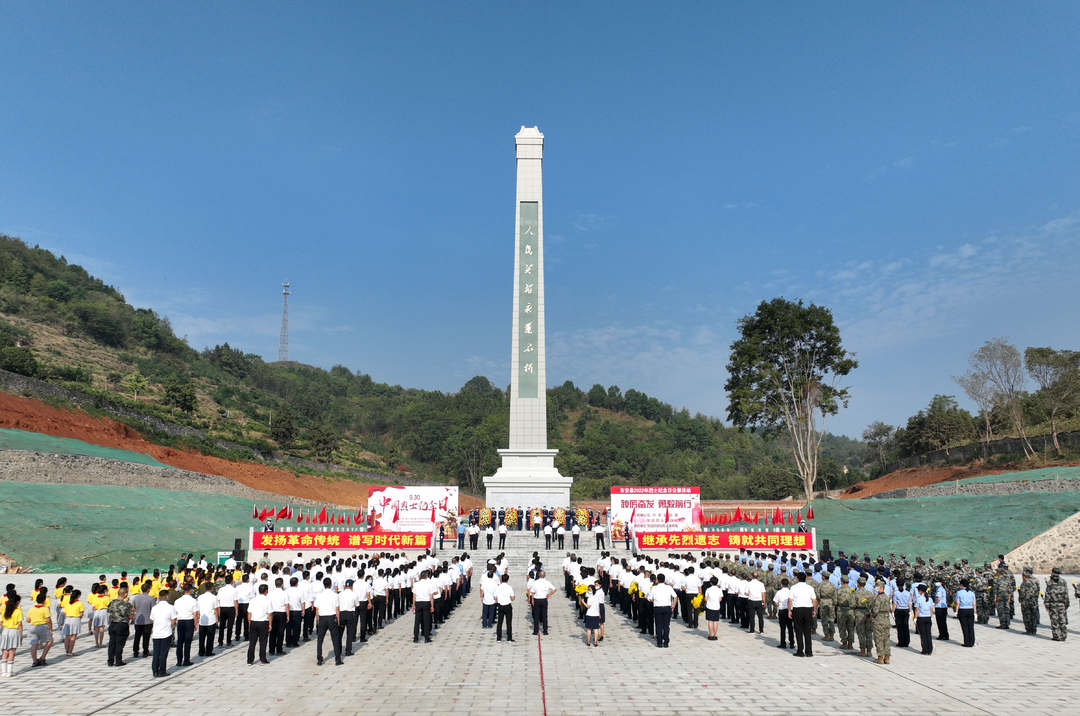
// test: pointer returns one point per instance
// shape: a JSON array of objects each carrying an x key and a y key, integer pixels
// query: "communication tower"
[{"x": 283, "y": 342}]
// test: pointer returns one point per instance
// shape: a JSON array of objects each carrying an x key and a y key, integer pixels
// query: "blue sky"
[{"x": 914, "y": 168}]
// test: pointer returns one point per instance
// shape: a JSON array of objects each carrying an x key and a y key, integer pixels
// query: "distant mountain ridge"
[{"x": 67, "y": 327}]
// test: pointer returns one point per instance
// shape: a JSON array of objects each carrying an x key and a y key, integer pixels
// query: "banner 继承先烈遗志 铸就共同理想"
[{"x": 727, "y": 540}]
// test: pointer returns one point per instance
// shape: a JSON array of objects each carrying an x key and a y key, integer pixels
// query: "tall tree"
[
  {"x": 784, "y": 376},
  {"x": 977, "y": 386},
  {"x": 135, "y": 382},
  {"x": 323, "y": 440},
  {"x": 879, "y": 439},
  {"x": 1058, "y": 376},
  {"x": 283, "y": 431},
  {"x": 1003, "y": 368}
]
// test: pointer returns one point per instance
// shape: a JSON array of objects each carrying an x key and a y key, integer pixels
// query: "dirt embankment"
[
  {"x": 930, "y": 475},
  {"x": 31, "y": 415}
]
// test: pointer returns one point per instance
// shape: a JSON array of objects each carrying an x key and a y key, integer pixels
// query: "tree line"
[{"x": 999, "y": 381}]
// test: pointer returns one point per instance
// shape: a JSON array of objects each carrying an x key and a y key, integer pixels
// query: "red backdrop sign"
[
  {"x": 764, "y": 541},
  {"x": 341, "y": 540}
]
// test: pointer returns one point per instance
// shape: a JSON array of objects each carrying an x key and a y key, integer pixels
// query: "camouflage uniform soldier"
[
  {"x": 827, "y": 606},
  {"x": 981, "y": 586},
  {"x": 772, "y": 581},
  {"x": 864, "y": 628},
  {"x": 1057, "y": 604},
  {"x": 1029, "y": 601},
  {"x": 1004, "y": 586},
  {"x": 845, "y": 619},
  {"x": 881, "y": 607}
]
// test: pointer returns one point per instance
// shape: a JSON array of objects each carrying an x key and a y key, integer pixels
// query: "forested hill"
[{"x": 62, "y": 324}]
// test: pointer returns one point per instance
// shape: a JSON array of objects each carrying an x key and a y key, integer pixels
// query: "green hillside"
[{"x": 63, "y": 325}]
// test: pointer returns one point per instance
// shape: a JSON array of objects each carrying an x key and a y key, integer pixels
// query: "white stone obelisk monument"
[{"x": 528, "y": 477}]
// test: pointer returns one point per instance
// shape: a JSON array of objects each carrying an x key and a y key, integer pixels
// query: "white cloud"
[{"x": 905, "y": 163}]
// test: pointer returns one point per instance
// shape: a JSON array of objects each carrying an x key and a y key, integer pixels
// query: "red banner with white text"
[
  {"x": 341, "y": 540},
  {"x": 760, "y": 541}
]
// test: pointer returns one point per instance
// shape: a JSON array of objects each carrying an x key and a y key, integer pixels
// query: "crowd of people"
[
  {"x": 271, "y": 606},
  {"x": 846, "y": 598},
  {"x": 277, "y": 606}
]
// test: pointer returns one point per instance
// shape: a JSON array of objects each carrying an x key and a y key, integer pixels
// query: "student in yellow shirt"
[
  {"x": 114, "y": 590},
  {"x": 58, "y": 595},
  {"x": 40, "y": 622},
  {"x": 11, "y": 617},
  {"x": 73, "y": 613},
  {"x": 99, "y": 600}
]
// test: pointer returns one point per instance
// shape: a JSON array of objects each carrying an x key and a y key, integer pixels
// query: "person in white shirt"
[
  {"x": 208, "y": 619},
  {"x": 489, "y": 533},
  {"x": 163, "y": 619},
  {"x": 504, "y": 597},
  {"x": 347, "y": 604},
  {"x": 787, "y": 634},
  {"x": 327, "y": 611},
  {"x": 802, "y": 608},
  {"x": 755, "y": 604},
  {"x": 714, "y": 599},
  {"x": 593, "y": 600},
  {"x": 547, "y": 536},
  {"x": 502, "y": 536},
  {"x": 422, "y": 594},
  {"x": 560, "y": 532},
  {"x": 380, "y": 587},
  {"x": 540, "y": 590},
  {"x": 662, "y": 597},
  {"x": 226, "y": 597},
  {"x": 244, "y": 593},
  {"x": 575, "y": 536},
  {"x": 259, "y": 615},
  {"x": 187, "y": 610},
  {"x": 279, "y": 604},
  {"x": 294, "y": 612},
  {"x": 363, "y": 590},
  {"x": 599, "y": 532}
]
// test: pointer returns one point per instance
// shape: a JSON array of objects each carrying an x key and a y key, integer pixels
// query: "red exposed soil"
[
  {"x": 930, "y": 475},
  {"x": 34, "y": 416}
]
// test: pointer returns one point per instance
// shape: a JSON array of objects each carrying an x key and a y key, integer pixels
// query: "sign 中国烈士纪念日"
[
  {"x": 528, "y": 303},
  {"x": 341, "y": 540},
  {"x": 727, "y": 540}
]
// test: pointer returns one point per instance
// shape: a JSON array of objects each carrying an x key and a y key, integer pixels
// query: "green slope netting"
[
  {"x": 976, "y": 527},
  {"x": 1047, "y": 473},
  {"x": 110, "y": 528},
  {"x": 36, "y": 442}
]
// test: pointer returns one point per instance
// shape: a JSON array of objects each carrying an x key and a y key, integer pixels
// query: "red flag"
[
  {"x": 254, "y": 511},
  {"x": 810, "y": 512},
  {"x": 282, "y": 513},
  {"x": 262, "y": 514},
  {"x": 359, "y": 515},
  {"x": 632, "y": 513},
  {"x": 433, "y": 514},
  {"x": 737, "y": 516},
  {"x": 322, "y": 516},
  {"x": 300, "y": 516},
  {"x": 667, "y": 515},
  {"x": 307, "y": 520},
  {"x": 396, "y": 515},
  {"x": 757, "y": 516}
]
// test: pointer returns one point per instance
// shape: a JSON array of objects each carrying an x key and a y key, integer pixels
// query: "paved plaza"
[{"x": 465, "y": 671}]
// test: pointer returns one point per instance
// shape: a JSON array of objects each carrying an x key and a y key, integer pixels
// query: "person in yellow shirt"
[
  {"x": 73, "y": 613},
  {"x": 40, "y": 622},
  {"x": 11, "y": 616},
  {"x": 114, "y": 590},
  {"x": 99, "y": 600},
  {"x": 58, "y": 595}
]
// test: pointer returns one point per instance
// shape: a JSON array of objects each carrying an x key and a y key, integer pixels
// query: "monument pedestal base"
[{"x": 528, "y": 478}]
